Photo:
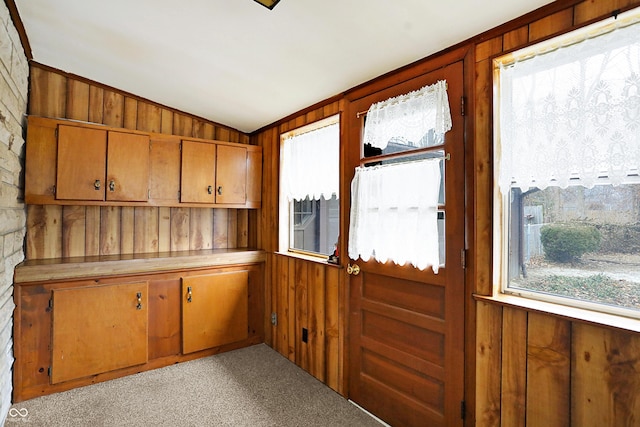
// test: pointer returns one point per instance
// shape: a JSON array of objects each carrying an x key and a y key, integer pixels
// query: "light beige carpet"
[{"x": 253, "y": 386}]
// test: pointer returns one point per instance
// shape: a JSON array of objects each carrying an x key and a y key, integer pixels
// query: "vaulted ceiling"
[{"x": 240, "y": 64}]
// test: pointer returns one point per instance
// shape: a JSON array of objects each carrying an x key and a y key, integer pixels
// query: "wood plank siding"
[{"x": 64, "y": 231}]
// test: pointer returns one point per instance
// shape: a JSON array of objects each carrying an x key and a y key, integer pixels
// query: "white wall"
[{"x": 14, "y": 71}]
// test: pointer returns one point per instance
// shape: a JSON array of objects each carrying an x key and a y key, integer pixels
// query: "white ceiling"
[{"x": 240, "y": 64}]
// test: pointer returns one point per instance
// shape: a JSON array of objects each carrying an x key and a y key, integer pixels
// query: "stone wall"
[{"x": 14, "y": 71}]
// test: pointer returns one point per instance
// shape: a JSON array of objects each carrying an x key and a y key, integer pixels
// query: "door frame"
[{"x": 350, "y": 158}]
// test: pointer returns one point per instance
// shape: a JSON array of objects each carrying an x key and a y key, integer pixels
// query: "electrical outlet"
[{"x": 305, "y": 335}]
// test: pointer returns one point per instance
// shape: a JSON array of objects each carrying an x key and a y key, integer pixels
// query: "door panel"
[{"x": 406, "y": 325}]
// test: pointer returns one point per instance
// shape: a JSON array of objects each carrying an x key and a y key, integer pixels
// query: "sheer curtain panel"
[
  {"x": 571, "y": 116},
  {"x": 409, "y": 117},
  {"x": 310, "y": 164},
  {"x": 394, "y": 213}
]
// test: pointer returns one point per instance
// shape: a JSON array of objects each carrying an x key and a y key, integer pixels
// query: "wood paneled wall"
[
  {"x": 309, "y": 295},
  {"x": 532, "y": 368},
  {"x": 303, "y": 294},
  {"x": 64, "y": 231}
]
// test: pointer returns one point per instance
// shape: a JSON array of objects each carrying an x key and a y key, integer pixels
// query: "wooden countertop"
[{"x": 109, "y": 265}]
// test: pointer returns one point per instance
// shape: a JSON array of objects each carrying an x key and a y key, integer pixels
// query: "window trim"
[
  {"x": 573, "y": 309},
  {"x": 284, "y": 207}
]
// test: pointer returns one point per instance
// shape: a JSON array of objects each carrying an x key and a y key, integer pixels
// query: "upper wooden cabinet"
[
  {"x": 213, "y": 173},
  {"x": 77, "y": 163},
  {"x": 198, "y": 172},
  {"x": 95, "y": 164},
  {"x": 127, "y": 167}
]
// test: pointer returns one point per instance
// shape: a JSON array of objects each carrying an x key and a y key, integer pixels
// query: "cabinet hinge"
[
  {"x": 462, "y": 105},
  {"x": 56, "y": 133},
  {"x": 274, "y": 319},
  {"x": 49, "y": 371},
  {"x": 54, "y": 189},
  {"x": 50, "y": 302},
  {"x": 463, "y": 410},
  {"x": 148, "y": 194},
  {"x": 463, "y": 258}
]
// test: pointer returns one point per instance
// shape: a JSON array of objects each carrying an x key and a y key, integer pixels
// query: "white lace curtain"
[
  {"x": 310, "y": 164},
  {"x": 409, "y": 117},
  {"x": 394, "y": 213},
  {"x": 572, "y": 116}
]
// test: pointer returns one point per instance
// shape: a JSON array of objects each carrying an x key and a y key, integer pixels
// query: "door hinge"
[
  {"x": 462, "y": 105},
  {"x": 463, "y": 258},
  {"x": 274, "y": 319},
  {"x": 463, "y": 410}
]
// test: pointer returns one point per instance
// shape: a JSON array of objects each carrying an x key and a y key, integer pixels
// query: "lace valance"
[
  {"x": 572, "y": 116},
  {"x": 409, "y": 117}
]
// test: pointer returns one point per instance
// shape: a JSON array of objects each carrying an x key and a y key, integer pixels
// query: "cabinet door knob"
[
  {"x": 189, "y": 294},
  {"x": 97, "y": 184},
  {"x": 210, "y": 189},
  {"x": 112, "y": 185},
  {"x": 220, "y": 190},
  {"x": 139, "y": 296}
]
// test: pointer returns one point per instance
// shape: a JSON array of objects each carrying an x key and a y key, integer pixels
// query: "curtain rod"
[{"x": 368, "y": 160}]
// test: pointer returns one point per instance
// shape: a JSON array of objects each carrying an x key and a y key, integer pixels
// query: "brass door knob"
[
  {"x": 353, "y": 269},
  {"x": 97, "y": 184}
]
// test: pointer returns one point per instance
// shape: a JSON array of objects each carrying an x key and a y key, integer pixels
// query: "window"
[
  {"x": 567, "y": 156},
  {"x": 309, "y": 189},
  {"x": 397, "y": 205}
]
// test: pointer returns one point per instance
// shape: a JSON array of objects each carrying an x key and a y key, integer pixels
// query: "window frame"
[
  {"x": 285, "y": 210},
  {"x": 600, "y": 313}
]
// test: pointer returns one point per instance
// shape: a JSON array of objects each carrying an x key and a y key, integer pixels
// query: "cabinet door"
[
  {"x": 254, "y": 177},
  {"x": 98, "y": 329},
  {"x": 81, "y": 163},
  {"x": 231, "y": 174},
  {"x": 198, "y": 172},
  {"x": 127, "y": 167},
  {"x": 164, "y": 172},
  {"x": 214, "y": 310}
]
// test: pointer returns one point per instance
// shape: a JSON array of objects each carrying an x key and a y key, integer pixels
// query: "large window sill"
[{"x": 569, "y": 313}]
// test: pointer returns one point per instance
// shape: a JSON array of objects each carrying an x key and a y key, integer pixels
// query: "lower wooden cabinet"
[
  {"x": 98, "y": 329},
  {"x": 77, "y": 332},
  {"x": 214, "y": 310}
]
